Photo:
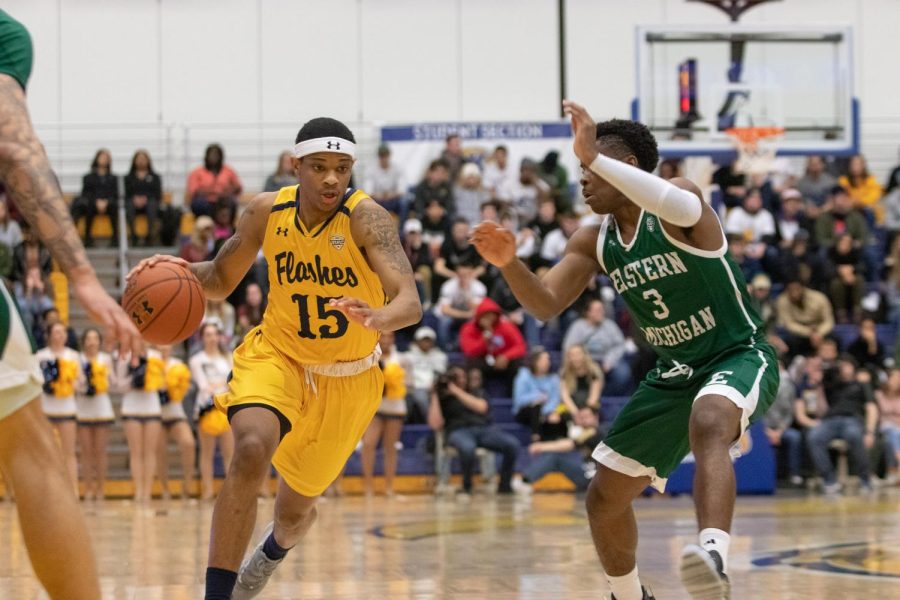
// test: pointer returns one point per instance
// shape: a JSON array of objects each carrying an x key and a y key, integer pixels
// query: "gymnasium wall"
[{"x": 137, "y": 70}]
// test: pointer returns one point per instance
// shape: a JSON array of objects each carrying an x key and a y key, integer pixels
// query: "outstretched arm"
[
  {"x": 25, "y": 171},
  {"x": 374, "y": 231},
  {"x": 548, "y": 296},
  {"x": 221, "y": 275}
]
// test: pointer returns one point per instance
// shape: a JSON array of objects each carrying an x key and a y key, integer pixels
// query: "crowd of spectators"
[{"x": 819, "y": 250}]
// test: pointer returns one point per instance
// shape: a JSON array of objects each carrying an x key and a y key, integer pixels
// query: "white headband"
[{"x": 325, "y": 144}]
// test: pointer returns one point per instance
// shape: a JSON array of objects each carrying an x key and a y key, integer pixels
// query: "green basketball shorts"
[
  {"x": 20, "y": 374},
  {"x": 649, "y": 437},
  {"x": 15, "y": 49}
]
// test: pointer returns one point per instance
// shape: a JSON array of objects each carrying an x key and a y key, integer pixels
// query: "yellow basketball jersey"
[{"x": 306, "y": 270}]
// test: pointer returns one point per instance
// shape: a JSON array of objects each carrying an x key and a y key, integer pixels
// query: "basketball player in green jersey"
[
  {"x": 52, "y": 527},
  {"x": 665, "y": 252}
]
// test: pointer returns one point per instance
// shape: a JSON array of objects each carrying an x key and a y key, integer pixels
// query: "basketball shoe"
[
  {"x": 255, "y": 571},
  {"x": 702, "y": 574},
  {"x": 648, "y": 595}
]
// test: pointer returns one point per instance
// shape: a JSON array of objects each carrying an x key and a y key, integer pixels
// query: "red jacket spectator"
[{"x": 490, "y": 333}]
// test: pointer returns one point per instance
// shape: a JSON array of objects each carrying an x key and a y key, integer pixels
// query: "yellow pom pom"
[
  {"x": 178, "y": 380},
  {"x": 155, "y": 377},
  {"x": 64, "y": 386},
  {"x": 394, "y": 381},
  {"x": 214, "y": 422},
  {"x": 99, "y": 377}
]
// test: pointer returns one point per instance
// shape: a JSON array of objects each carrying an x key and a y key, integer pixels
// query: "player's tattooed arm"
[
  {"x": 375, "y": 232},
  {"x": 221, "y": 275},
  {"x": 25, "y": 170}
]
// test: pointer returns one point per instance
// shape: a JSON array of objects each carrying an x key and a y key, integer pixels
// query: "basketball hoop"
[{"x": 756, "y": 146}]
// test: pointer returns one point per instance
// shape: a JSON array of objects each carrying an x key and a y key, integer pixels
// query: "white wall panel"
[{"x": 509, "y": 60}]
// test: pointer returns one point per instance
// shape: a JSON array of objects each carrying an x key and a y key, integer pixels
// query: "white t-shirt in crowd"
[
  {"x": 454, "y": 296},
  {"x": 752, "y": 227}
]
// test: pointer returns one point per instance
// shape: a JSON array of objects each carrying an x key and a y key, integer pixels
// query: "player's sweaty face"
[{"x": 324, "y": 177}]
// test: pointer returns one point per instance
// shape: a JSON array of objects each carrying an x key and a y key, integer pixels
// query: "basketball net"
[{"x": 757, "y": 147}]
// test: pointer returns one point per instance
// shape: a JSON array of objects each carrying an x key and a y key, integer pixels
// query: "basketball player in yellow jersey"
[{"x": 305, "y": 382}]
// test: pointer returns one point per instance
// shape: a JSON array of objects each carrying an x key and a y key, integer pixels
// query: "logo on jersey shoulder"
[
  {"x": 282, "y": 231},
  {"x": 337, "y": 241},
  {"x": 651, "y": 224}
]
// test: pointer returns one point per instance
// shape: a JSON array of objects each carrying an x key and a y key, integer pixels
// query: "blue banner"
[{"x": 515, "y": 130}]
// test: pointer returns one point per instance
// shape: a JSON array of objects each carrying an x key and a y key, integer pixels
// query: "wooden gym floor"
[{"x": 419, "y": 546}]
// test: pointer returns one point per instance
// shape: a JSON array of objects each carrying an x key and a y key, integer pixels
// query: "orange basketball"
[{"x": 165, "y": 302}]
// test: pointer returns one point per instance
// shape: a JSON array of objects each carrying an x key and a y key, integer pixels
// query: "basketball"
[{"x": 165, "y": 302}]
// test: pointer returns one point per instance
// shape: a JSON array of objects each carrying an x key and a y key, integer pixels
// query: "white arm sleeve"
[{"x": 653, "y": 194}]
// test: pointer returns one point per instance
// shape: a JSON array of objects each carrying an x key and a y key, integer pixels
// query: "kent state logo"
[{"x": 880, "y": 559}]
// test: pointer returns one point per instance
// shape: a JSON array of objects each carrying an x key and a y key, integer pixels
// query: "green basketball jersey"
[{"x": 690, "y": 304}]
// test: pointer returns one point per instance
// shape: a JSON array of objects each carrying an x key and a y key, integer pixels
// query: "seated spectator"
[
  {"x": 384, "y": 182},
  {"x": 526, "y": 239},
  {"x": 490, "y": 211},
  {"x": 100, "y": 194},
  {"x": 34, "y": 297},
  {"x": 457, "y": 303},
  {"x": 469, "y": 193},
  {"x": 669, "y": 169},
  {"x": 605, "y": 343},
  {"x": 528, "y": 191},
  {"x": 852, "y": 416},
  {"x": 753, "y": 221},
  {"x": 554, "y": 244},
  {"x": 863, "y": 188},
  {"x": 143, "y": 195},
  {"x": 250, "y": 313},
  {"x": 493, "y": 343},
  {"x": 732, "y": 183},
  {"x": 778, "y": 421},
  {"x": 224, "y": 220},
  {"x": 847, "y": 284},
  {"x": 387, "y": 424},
  {"x": 452, "y": 154},
  {"x": 30, "y": 256},
  {"x": 868, "y": 352},
  {"x": 888, "y": 397},
  {"x": 419, "y": 256},
  {"x": 497, "y": 177},
  {"x": 464, "y": 416},
  {"x": 10, "y": 237},
  {"x": 435, "y": 224},
  {"x": 426, "y": 362},
  {"x": 841, "y": 218},
  {"x": 435, "y": 186},
  {"x": 810, "y": 405},
  {"x": 212, "y": 183},
  {"x": 200, "y": 245},
  {"x": 892, "y": 289},
  {"x": 580, "y": 385},
  {"x": 805, "y": 315},
  {"x": 536, "y": 394},
  {"x": 802, "y": 260},
  {"x": 792, "y": 218},
  {"x": 749, "y": 264},
  {"x": 546, "y": 220},
  {"x": 284, "y": 175},
  {"x": 816, "y": 184},
  {"x": 891, "y": 204},
  {"x": 760, "y": 290},
  {"x": 456, "y": 250},
  {"x": 893, "y": 180},
  {"x": 557, "y": 178}
]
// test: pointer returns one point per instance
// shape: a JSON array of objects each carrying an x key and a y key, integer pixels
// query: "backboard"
[{"x": 696, "y": 82}]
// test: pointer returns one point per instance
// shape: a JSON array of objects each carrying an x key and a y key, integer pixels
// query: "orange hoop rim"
[{"x": 751, "y": 135}]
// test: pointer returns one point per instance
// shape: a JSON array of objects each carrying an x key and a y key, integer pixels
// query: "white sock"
[
  {"x": 626, "y": 587},
  {"x": 718, "y": 540}
]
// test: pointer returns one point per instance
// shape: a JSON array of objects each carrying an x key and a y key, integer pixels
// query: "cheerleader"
[
  {"x": 62, "y": 374},
  {"x": 94, "y": 412},
  {"x": 388, "y": 421},
  {"x": 175, "y": 424},
  {"x": 209, "y": 369},
  {"x": 141, "y": 416}
]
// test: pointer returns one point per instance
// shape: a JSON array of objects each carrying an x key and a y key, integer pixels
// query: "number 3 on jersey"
[
  {"x": 654, "y": 296},
  {"x": 325, "y": 330}
]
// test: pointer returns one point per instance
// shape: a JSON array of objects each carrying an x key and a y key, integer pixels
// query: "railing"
[{"x": 252, "y": 149}]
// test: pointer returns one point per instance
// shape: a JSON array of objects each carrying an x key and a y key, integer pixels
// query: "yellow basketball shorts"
[{"x": 324, "y": 418}]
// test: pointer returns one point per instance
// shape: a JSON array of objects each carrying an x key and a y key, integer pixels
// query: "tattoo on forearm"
[
  {"x": 382, "y": 234},
  {"x": 25, "y": 171}
]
